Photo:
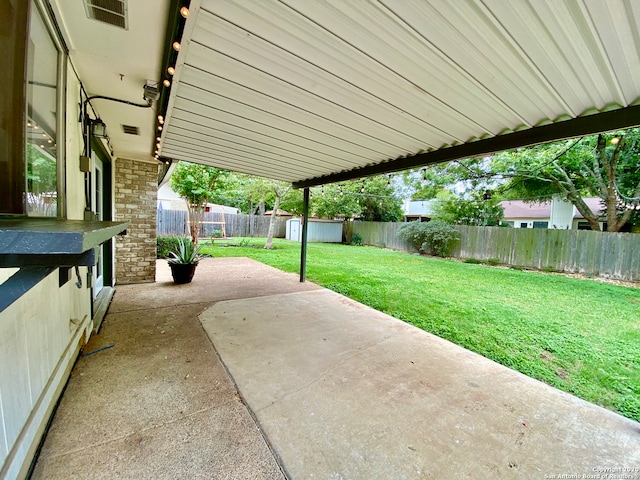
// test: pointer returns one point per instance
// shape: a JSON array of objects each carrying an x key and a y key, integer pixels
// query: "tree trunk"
[
  {"x": 268, "y": 245},
  {"x": 196, "y": 216}
]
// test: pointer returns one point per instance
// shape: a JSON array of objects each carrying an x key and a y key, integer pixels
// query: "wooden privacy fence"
[
  {"x": 610, "y": 255},
  {"x": 175, "y": 222}
]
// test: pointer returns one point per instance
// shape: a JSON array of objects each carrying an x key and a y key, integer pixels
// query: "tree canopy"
[
  {"x": 371, "y": 199},
  {"x": 605, "y": 166},
  {"x": 198, "y": 185}
]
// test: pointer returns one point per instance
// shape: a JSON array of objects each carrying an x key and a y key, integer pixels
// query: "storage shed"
[{"x": 325, "y": 231}]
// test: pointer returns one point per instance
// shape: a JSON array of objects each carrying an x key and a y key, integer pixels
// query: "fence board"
[
  {"x": 174, "y": 222},
  {"x": 611, "y": 255}
]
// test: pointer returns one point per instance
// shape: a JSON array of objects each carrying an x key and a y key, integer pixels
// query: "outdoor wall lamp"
[{"x": 98, "y": 128}]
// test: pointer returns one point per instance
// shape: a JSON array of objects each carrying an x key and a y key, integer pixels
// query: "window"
[
  {"x": 30, "y": 111},
  {"x": 540, "y": 224},
  {"x": 43, "y": 75},
  {"x": 524, "y": 224}
]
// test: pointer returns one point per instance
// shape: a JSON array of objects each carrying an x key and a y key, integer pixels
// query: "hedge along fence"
[
  {"x": 174, "y": 222},
  {"x": 610, "y": 255}
]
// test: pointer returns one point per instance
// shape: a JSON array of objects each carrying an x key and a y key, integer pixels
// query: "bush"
[
  {"x": 166, "y": 245},
  {"x": 436, "y": 236},
  {"x": 493, "y": 261},
  {"x": 356, "y": 239},
  {"x": 474, "y": 261}
]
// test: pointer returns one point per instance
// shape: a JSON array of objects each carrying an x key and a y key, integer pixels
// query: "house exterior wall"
[
  {"x": 42, "y": 332},
  {"x": 136, "y": 190},
  {"x": 518, "y": 222},
  {"x": 562, "y": 213}
]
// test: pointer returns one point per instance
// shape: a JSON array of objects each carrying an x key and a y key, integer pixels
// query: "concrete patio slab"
[
  {"x": 324, "y": 388},
  {"x": 345, "y": 392},
  {"x": 156, "y": 402}
]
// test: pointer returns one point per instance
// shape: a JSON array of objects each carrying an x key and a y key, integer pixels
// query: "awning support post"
[{"x": 303, "y": 247}]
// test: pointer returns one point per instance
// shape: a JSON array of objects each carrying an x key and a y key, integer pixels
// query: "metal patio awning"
[{"x": 311, "y": 92}]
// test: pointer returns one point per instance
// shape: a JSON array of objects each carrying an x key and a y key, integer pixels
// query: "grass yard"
[{"x": 580, "y": 336}]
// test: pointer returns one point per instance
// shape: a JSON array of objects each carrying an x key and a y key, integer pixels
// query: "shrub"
[
  {"x": 475, "y": 261},
  {"x": 493, "y": 261},
  {"x": 166, "y": 245},
  {"x": 356, "y": 239},
  {"x": 436, "y": 236}
]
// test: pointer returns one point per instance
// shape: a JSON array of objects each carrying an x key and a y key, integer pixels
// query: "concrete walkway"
[{"x": 339, "y": 391}]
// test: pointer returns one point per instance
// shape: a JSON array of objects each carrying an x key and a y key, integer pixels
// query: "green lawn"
[{"x": 580, "y": 336}]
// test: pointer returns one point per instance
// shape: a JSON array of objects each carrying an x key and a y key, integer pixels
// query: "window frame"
[
  {"x": 13, "y": 177},
  {"x": 42, "y": 8}
]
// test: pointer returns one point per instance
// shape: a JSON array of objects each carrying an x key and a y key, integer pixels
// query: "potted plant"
[{"x": 183, "y": 260}]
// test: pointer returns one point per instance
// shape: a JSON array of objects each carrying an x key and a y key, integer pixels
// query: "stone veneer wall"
[{"x": 136, "y": 193}]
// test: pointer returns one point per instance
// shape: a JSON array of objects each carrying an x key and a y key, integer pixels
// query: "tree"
[
  {"x": 279, "y": 189},
  {"x": 197, "y": 184},
  {"x": 378, "y": 201},
  {"x": 476, "y": 209},
  {"x": 605, "y": 165},
  {"x": 335, "y": 201},
  {"x": 372, "y": 199}
]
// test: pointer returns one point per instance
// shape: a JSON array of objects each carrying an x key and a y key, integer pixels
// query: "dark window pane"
[{"x": 13, "y": 37}]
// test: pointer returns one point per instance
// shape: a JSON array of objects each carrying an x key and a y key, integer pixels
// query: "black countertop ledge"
[{"x": 51, "y": 236}]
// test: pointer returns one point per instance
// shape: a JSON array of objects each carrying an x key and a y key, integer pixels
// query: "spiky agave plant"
[{"x": 185, "y": 252}]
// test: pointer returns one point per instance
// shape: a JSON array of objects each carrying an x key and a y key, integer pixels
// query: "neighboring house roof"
[{"x": 522, "y": 209}]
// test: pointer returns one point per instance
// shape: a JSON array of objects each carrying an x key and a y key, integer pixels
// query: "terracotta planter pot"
[{"x": 182, "y": 272}]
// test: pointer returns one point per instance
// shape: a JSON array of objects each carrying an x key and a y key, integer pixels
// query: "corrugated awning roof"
[{"x": 316, "y": 91}]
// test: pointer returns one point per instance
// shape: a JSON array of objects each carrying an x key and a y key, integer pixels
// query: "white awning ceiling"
[{"x": 302, "y": 90}]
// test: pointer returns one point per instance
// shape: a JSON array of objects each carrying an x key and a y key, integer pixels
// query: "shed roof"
[{"x": 313, "y": 92}]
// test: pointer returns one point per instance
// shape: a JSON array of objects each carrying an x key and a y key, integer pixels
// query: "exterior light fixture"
[
  {"x": 150, "y": 92},
  {"x": 158, "y": 139},
  {"x": 176, "y": 46},
  {"x": 159, "y": 128},
  {"x": 160, "y": 119},
  {"x": 166, "y": 82},
  {"x": 171, "y": 70},
  {"x": 615, "y": 140},
  {"x": 98, "y": 128},
  {"x": 184, "y": 11}
]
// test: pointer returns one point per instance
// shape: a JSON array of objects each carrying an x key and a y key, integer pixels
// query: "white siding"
[{"x": 41, "y": 332}]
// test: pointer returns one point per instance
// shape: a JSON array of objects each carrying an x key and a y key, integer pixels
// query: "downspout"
[{"x": 303, "y": 247}]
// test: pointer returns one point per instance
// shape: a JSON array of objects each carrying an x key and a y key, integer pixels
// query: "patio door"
[{"x": 98, "y": 203}]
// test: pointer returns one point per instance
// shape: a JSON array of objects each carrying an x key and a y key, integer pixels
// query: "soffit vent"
[
  {"x": 130, "y": 130},
  {"x": 113, "y": 12}
]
